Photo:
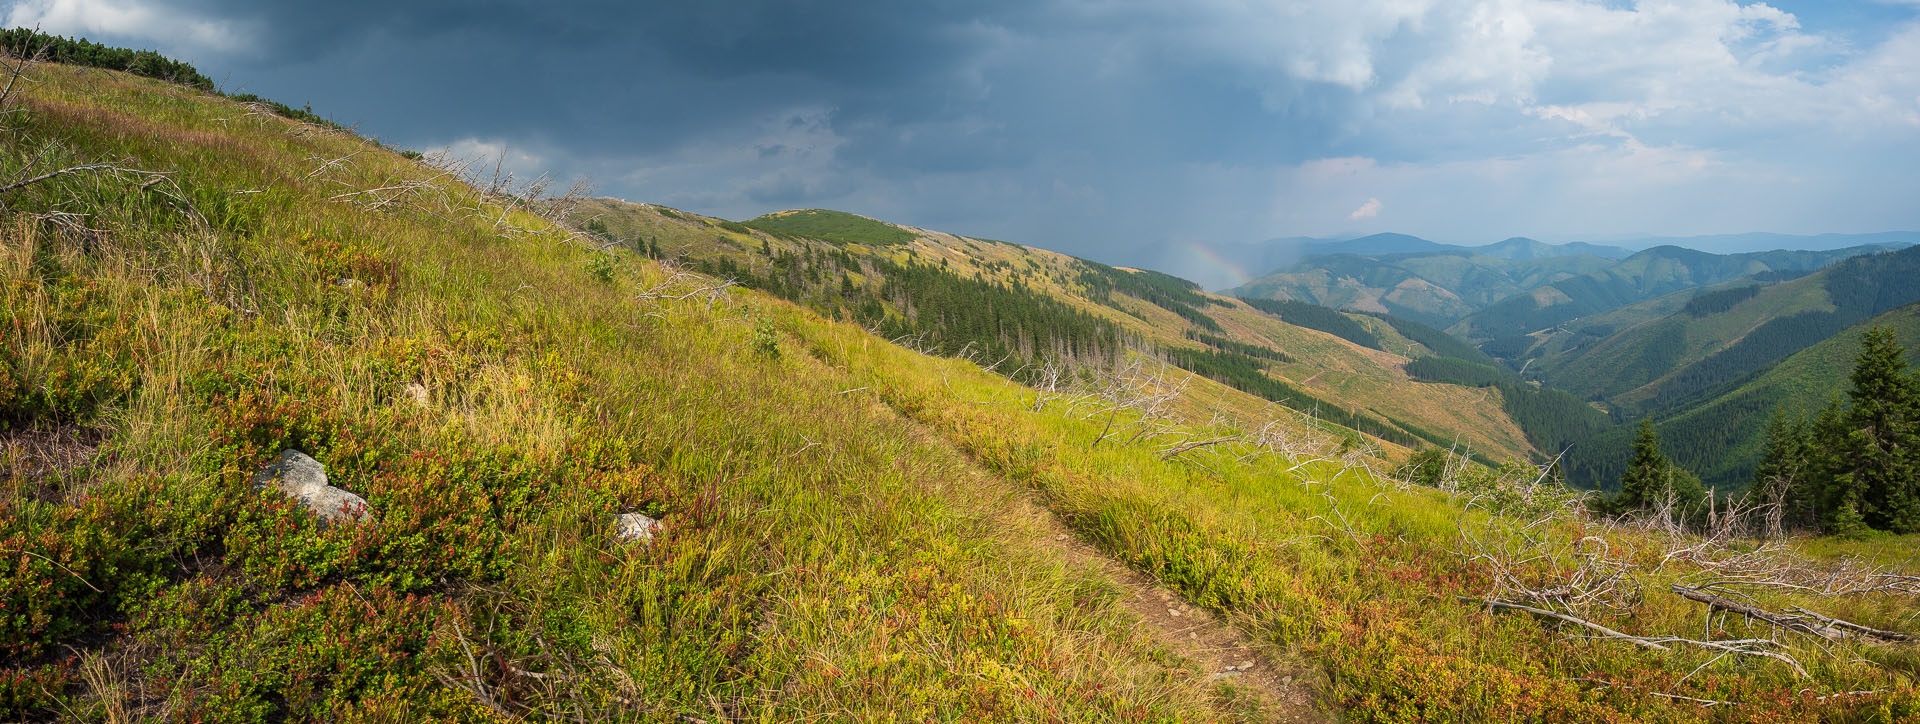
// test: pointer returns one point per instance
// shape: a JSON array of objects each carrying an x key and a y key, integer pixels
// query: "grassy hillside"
[
  {"x": 852, "y": 530},
  {"x": 1025, "y": 308},
  {"x": 835, "y": 226},
  {"x": 496, "y": 391}
]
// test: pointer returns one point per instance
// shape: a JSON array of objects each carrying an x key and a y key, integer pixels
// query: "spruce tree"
[
  {"x": 1648, "y": 478},
  {"x": 1839, "y": 498},
  {"x": 1785, "y": 477},
  {"x": 1879, "y": 450},
  {"x": 1652, "y": 480}
]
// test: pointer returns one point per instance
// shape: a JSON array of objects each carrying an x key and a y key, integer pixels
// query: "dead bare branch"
[
  {"x": 1581, "y": 622},
  {"x": 84, "y": 168}
]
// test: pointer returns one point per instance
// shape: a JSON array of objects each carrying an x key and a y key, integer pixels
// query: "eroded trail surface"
[{"x": 1223, "y": 652}]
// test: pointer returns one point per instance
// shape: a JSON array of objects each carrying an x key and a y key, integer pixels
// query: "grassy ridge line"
[
  {"x": 831, "y": 226},
  {"x": 853, "y": 281},
  {"x": 816, "y": 560}
]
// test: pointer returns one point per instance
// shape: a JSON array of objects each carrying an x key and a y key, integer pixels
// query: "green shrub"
[
  {"x": 603, "y": 267},
  {"x": 766, "y": 339}
]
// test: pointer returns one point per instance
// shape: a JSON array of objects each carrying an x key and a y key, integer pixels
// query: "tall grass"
[
  {"x": 848, "y": 530},
  {"x": 817, "y": 560}
]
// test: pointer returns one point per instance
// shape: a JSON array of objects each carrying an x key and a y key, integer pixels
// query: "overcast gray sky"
[{"x": 1096, "y": 126}]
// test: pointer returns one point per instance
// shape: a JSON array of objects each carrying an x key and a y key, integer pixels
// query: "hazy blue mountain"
[
  {"x": 1436, "y": 287},
  {"x": 1655, "y": 272},
  {"x": 1521, "y": 247},
  {"x": 1224, "y": 265},
  {"x": 1765, "y": 241}
]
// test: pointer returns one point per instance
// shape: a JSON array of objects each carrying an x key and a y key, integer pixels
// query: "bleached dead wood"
[
  {"x": 1797, "y": 619},
  {"x": 84, "y": 168},
  {"x": 1603, "y": 631}
]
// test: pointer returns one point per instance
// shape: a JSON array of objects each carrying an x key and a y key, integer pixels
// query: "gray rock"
[
  {"x": 302, "y": 478},
  {"x": 1229, "y": 674},
  {"x": 628, "y": 527},
  {"x": 419, "y": 393}
]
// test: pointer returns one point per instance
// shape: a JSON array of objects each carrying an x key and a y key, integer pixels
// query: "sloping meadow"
[
  {"x": 1402, "y": 598},
  {"x": 236, "y": 284},
  {"x": 240, "y": 284}
]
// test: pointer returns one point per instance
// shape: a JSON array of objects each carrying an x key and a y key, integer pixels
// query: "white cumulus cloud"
[
  {"x": 141, "y": 20},
  {"x": 1367, "y": 210}
]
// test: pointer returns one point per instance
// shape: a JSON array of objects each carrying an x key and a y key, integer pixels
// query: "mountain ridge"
[{"x": 1213, "y": 335}]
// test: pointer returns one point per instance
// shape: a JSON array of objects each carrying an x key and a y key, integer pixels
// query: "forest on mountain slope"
[
  {"x": 1680, "y": 370},
  {"x": 1647, "y": 274},
  {"x": 1024, "y": 311},
  {"x": 1498, "y": 299}
]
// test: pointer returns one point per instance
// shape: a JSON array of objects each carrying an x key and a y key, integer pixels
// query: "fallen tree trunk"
[
  {"x": 1581, "y": 622},
  {"x": 1859, "y": 630},
  {"x": 1800, "y": 619}
]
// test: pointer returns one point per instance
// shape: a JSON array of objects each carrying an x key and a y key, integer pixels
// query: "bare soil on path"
[{"x": 1223, "y": 652}]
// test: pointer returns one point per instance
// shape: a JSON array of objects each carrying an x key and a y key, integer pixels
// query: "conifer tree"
[
  {"x": 1839, "y": 499},
  {"x": 1647, "y": 477},
  {"x": 1785, "y": 477},
  {"x": 1878, "y": 445},
  {"x": 1652, "y": 480}
]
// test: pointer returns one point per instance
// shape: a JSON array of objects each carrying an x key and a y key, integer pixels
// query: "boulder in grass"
[
  {"x": 634, "y": 527},
  {"x": 302, "y": 478},
  {"x": 418, "y": 393}
]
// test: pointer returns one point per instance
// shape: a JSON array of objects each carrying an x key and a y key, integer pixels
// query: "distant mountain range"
[
  {"x": 1645, "y": 275},
  {"x": 1701, "y": 343},
  {"x": 1218, "y": 266},
  {"x": 1766, "y": 241},
  {"x": 1518, "y": 247},
  {"x": 1224, "y": 265},
  {"x": 1526, "y": 287}
]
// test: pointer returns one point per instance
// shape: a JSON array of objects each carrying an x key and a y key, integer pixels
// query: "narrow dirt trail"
[{"x": 1222, "y": 651}]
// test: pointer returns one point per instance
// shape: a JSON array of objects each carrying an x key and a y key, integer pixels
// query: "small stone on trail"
[
  {"x": 1062, "y": 536},
  {"x": 1228, "y": 674},
  {"x": 1244, "y": 665},
  {"x": 1173, "y": 613},
  {"x": 303, "y": 479},
  {"x": 1286, "y": 681},
  {"x": 634, "y": 527}
]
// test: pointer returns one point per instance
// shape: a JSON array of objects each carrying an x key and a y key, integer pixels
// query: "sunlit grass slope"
[
  {"x": 496, "y": 395},
  {"x": 1363, "y": 578},
  {"x": 1369, "y": 383},
  {"x": 844, "y": 531}
]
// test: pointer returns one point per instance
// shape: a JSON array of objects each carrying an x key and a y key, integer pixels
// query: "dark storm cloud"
[
  {"x": 648, "y": 72},
  {"x": 1098, "y": 125}
]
